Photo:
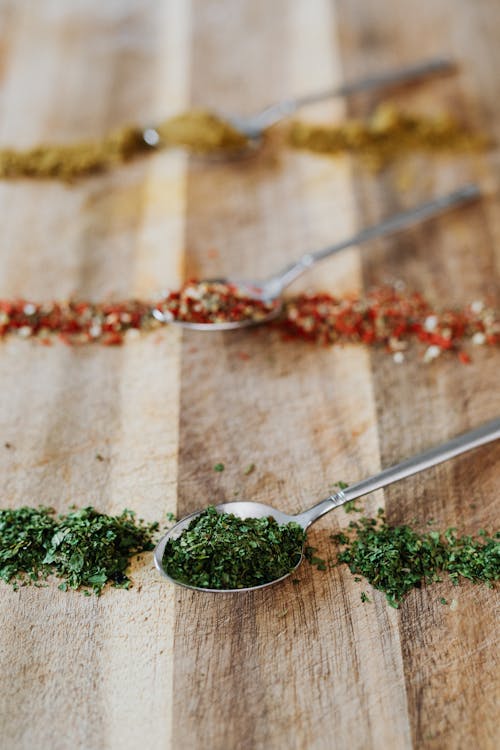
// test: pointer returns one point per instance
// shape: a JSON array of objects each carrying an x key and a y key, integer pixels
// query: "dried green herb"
[
  {"x": 351, "y": 507},
  {"x": 25, "y": 535},
  {"x": 249, "y": 469},
  {"x": 396, "y": 559},
  {"x": 85, "y": 548},
  {"x": 219, "y": 467},
  {"x": 313, "y": 559},
  {"x": 222, "y": 551}
]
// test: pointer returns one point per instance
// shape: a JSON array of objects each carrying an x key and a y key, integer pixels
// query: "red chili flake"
[
  {"x": 243, "y": 355},
  {"x": 114, "y": 339}
]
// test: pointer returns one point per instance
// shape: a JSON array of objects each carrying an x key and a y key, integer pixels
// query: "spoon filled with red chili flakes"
[
  {"x": 224, "y": 304},
  {"x": 217, "y": 305}
]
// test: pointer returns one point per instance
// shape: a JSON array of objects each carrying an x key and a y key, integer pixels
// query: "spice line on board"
[
  {"x": 88, "y": 551},
  {"x": 383, "y": 137},
  {"x": 388, "y": 317}
]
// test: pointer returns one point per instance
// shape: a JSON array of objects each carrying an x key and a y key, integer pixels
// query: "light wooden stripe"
[{"x": 87, "y": 673}]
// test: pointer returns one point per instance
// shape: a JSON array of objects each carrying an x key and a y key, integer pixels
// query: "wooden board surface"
[{"x": 296, "y": 667}]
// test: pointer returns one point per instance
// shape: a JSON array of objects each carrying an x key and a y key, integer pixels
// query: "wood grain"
[
  {"x": 83, "y": 672},
  {"x": 296, "y": 666},
  {"x": 449, "y": 259}
]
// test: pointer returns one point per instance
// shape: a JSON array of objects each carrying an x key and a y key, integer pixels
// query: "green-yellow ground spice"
[
  {"x": 199, "y": 131},
  {"x": 387, "y": 134}
]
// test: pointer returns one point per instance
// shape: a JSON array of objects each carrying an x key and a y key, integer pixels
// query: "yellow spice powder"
[{"x": 386, "y": 135}]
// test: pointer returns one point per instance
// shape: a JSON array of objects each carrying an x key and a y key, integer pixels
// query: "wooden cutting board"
[{"x": 304, "y": 666}]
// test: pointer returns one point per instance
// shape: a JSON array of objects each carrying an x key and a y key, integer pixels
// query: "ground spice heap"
[
  {"x": 222, "y": 551},
  {"x": 386, "y": 135},
  {"x": 84, "y": 548},
  {"x": 201, "y": 132},
  {"x": 384, "y": 317},
  {"x": 397, "y": 559},
  {"x": 198, "y": 130},
  {"x": 215, "y": 302}
]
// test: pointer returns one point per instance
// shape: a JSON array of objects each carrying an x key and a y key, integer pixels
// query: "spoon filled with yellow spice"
[
  {"x": 207, "y": 133},
  {"x": 227, "y": 304},
  {"x": 243, "y": 546}
]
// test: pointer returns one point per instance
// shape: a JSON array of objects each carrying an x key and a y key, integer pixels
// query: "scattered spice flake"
[
  {"x": 310, "y": 556},
  {"x": 7, "y": 445},
  {"x": 219, "y": 467},
  {"x": 249, "y": 469},
  {"x": 99, "y": 457},
  {"x": 365, "y": 597},
  {"x": 351, "y": 507}
]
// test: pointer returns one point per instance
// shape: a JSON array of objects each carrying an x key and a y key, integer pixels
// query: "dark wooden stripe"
[{"x": 449, "y": 656}]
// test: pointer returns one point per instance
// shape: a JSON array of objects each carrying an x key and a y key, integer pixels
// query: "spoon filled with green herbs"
[{"x": 242, "y": 546}]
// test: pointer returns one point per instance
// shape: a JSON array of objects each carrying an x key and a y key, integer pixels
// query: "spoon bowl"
[
  {"x": 239, "y": 508},
  {"x": 250, "y": 289}
]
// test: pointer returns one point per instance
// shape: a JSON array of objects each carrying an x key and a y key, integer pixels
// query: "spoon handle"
[
  {"x": 461, "y": 444},
  {"x": 393, "y": 224},
  {"x": 276, "y": 112}
]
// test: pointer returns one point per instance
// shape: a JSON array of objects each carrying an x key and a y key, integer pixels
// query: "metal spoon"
[
  {"x": 466, "y": 442},
  {"x": 271, "y": 289},
  {"x": 254, "y": 126}
]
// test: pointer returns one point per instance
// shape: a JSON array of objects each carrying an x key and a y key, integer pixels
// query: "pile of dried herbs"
[
  {"x": 396, "y": 559},
  {"x": 84, "y": 548},
  {"x": 222, "y": 551}
]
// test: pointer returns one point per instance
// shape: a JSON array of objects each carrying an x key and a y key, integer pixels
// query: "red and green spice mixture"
[
  {"x": 386, "y": 317},
  {"x": 215, "y": 302}
]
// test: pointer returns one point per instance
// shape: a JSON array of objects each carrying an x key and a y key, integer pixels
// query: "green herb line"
[{"x": 86, "y": 550}]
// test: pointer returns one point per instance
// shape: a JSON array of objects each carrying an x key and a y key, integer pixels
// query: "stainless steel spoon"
[
  {"x": 271, "y": 289},
  {"x": 466, "y": 442},
  {"x": 254, "y": 126}
]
